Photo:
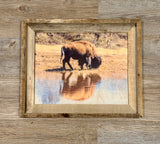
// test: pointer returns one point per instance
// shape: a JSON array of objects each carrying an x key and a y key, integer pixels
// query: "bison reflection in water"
[
  {"x": 83, "y": 51},
  {"x": 81, "y": 89}
]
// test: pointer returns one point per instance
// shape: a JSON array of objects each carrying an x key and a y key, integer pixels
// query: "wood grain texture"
[
  {"x": 9, "y": 57},
  {"x": 50, "y": 131},
  {"x": 128, "y": 132},
  {"x": 12, "y": 12},
  {"x": 9, "y": 77},
  {"x": 143, "y": 9},
  {"x": 151, "y": 55},
  {"x": 9, "y": 98}
]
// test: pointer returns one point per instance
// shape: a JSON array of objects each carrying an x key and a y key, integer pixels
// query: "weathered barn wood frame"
[{"x": 29, "y": 27}]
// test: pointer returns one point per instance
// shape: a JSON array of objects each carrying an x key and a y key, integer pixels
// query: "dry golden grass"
[{"x": 114, "y": 61}]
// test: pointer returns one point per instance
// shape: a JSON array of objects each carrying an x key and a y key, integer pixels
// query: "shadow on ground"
[{"x": 57, "y": 69}]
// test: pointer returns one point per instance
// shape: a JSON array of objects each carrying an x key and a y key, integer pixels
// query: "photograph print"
[{"x": 81, "y": 68}]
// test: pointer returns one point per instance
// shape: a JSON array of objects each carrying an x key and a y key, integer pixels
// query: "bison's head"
[{"x": 96, "y": 62}]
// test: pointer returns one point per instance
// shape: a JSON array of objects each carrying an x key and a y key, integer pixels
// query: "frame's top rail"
[{"x": 92, "y": 21}]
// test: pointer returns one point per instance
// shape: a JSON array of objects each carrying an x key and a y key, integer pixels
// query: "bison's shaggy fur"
[{"x": 83, "y": 51}]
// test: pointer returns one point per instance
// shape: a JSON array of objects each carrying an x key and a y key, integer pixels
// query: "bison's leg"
[
  {"x": 88, "y": 60},
  {"x": 81, "y": 67},
  {"x": 69, "y": 65},
  {"x": 66, "y": 59},
  {"x": 81, "y": 63}
]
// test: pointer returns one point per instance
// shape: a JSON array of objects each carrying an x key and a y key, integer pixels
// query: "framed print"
[{"x": 81, "y": 68}]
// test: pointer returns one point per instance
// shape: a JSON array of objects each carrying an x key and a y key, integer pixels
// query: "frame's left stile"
[{"x": 23, "y": 68}]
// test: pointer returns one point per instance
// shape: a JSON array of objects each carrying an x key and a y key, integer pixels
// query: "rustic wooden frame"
[{"x": 135, "y": 104}]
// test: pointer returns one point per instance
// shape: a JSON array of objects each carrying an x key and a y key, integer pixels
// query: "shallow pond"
[{"x": 79, "y": 88}]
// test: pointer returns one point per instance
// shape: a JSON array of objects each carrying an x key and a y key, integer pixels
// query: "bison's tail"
[{"x": 61, "y": 54}]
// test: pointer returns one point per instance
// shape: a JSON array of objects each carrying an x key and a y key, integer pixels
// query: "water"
[{"x": 79, "y": 88}]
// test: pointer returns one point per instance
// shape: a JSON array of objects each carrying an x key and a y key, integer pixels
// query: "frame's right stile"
[
  {"x": 139, "y": 69},
  {"x": 135, "y": 68}
]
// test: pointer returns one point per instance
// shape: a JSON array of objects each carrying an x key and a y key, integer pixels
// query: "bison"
[{"x": 83, "y": 51}]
